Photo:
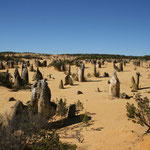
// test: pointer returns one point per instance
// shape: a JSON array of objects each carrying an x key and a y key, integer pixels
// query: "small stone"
[
  {"x": 79, "y": 92},
  {"x": 106, "y": 74},
  {"x": 11, "y": 99},
  {"x": 98, "y": 90}
]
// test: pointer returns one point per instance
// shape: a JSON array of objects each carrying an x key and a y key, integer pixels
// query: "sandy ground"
[{"x": 109, "y": 128}]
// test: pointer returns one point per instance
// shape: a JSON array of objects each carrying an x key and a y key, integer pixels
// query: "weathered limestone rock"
[
  {"x": 106, "y": 74},
  {"x": 99, "y": 64},
  {"x": 31, "y": 68},
  {"x": 121, "y": 66},
  {"x": 81, "y": 73},
  {"x": 37, "y": 63},
  {"x": 114, "y": 89},
  {"x": 17, "y": 79},
  {"x": 44, "y": 64},
  {"x": 11, "y": 99},
  {"x": 27, "y": 63},
  {"x": 79, "y": 92},
  {"x": 34, "y": 98},
  {"x": 20, "y": 115},
  {"x": 134, "y": 87},
  {"x": 40, "y": 101},
  {"x": 62, "y": 68},
  {"x": 102, "y": 62},
  {"x": 115, "y": 67},
  {"x": 132, "y": 81},
  {"x": 8, "y": 76},
  {"x": 24, "y": 74},
  {"x": 141, "y": 63},
  {"x": 68, "y": 80},
  {"x": 124, "y": 62},
  {"x": 69, "y": 70},
  {"x": 61, "y": 86},
  {"x": 95, "y": 69},
  {"x": 98, "y": 90},
  {"x": 44, "y": 99},
  {"x": 38, "y": 75},
  {"x": 10, "y": 64},
  {"x": 148, "y": 65},
  {"x": 136, "y": 63},
  {"x": 138, "y": 79},
  {"x": 71, "y": 111},
  {"x": 1, "y": 66}
]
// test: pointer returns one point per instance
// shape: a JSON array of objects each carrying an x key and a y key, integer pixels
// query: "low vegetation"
[
  {"x": 140, "y": 114},
  {"x": 61, "y": 107},
  {"x": 79, "y": 107},
  {"x": 6, "y": 79},
  {"x": 30, "y": 137}
]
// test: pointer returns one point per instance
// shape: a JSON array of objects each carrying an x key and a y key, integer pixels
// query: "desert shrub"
[
  {"x": 77, "y": 64},
  {"x": 30, "y": 137},
  {"x": 85, "y": 118},
  {"x": 79, "y": 106},
  {"x": 139, "y": 114},
  {"x": 61, "y": 107},
  {"x": 50, "y": 141},
  {"x": 75, "y": 77},
  {"x": 66, "y": 61},
  {"x": 57, "y": 64},
  {"x": 89, "y": 75},
  {"x": 5, "y": 79},
  {"x": 97, "y": 74}
]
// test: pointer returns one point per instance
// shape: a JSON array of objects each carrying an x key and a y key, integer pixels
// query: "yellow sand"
[{"x": 109, "y": 115}]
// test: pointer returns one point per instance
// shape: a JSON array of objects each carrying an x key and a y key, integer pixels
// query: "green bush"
[
  {"x": 58, "y": 64},
  {"x": 61, "y": 107},
  {"x": 5, "y": 79},
  {"x": 75, "y": 77},
  {"x": 89, "y": 75},
  {"x": 97, "y": 74},
  {"x": 50, "y": 141},
  {"x": 30, "y": 137},
  {"x": 141, "y": 113},
  {"x": 79, "y": 106},
  {"x": 85, "y": 118}
]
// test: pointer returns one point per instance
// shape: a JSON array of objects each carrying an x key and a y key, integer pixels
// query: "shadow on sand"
[
  {"x": 67, "y": 122},
  {"x": 144, "y": 88},
  {"x": 93, "y": 80}
]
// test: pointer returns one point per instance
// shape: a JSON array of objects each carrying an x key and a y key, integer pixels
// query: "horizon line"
[{"x": 73, "y": 53}]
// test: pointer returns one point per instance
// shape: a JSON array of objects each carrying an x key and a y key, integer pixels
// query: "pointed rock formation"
[
  {"x": 41, "y": 96},
  {"x": 38, "y": 75},
  {"x": 69, "y": 70},
  {"x": 114, "y": 89},
  {"x": 24, "y": 74},
  {"x": 68, "y": 80},
  {"x": 81, "y": 73},
  {"x": 138, "y": 79},
  {"x": 121, "y": 66},
  {"x": 31, "y": 68},
  {"x": 61, "y": 86},
  {"x": 17, "y": 79}
]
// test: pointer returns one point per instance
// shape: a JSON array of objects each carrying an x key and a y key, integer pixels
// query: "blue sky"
[{"x": 75, "y": 26}]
